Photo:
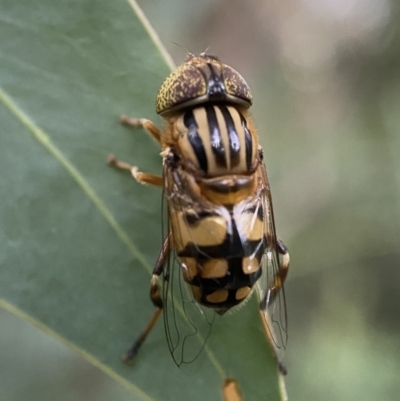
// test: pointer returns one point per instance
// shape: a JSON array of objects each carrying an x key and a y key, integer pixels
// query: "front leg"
[
  {"x": 142, "y": 123},
  {"x": 139, "y": 176}
]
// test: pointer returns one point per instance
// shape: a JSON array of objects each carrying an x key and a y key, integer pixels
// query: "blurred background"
[{"x": 325, "y": 78}]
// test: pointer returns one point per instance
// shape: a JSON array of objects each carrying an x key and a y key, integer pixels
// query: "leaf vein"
[
  {"x": 86, "y": 355},
  {"x": 44, "y": 139}
]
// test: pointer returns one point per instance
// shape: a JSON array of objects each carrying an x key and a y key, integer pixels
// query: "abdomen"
[{"x": 220, "y": 252}]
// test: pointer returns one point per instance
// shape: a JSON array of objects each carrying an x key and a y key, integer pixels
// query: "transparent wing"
[
  {"x": 187, "y": 324},
  {"x": 270, "y": 285}
]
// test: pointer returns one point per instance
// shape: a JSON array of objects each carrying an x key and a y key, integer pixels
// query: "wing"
[
  {"x": 274, "y": 269},
  {"x": 187, "y": 323}
]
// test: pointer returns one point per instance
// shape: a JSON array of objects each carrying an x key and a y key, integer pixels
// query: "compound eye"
[
  {"x": 235, "y": 84},
  {"x": 202, "y": 79},
  {"x": 184, "y": 84}
]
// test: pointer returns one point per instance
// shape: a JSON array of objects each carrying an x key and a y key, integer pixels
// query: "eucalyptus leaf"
[{"x": 77, "y": 238}]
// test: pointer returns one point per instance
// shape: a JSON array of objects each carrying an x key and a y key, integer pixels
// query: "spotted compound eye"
[{"x": 202, "y": 79}]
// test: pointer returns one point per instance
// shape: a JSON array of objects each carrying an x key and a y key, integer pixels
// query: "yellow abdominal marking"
[
  {"x": 250, "y": 265},
  {"x": 209, "y": 231},
  {"x": 218, "y": 296},
  {"x": 214, "y": 268},
  {"x": 250, "y": 226},
  {"x": 242, "y": 292}
]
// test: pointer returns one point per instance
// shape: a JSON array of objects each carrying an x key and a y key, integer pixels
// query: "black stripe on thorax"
[
  {"x": 217, "y": 145},
  {"x": 195, "y": 139},
  {"x": 248, "y": 140},
  {"x": 234, "y": 140}
]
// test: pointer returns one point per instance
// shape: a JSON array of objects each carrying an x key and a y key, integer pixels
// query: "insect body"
[{"x": 221, "y": 232}]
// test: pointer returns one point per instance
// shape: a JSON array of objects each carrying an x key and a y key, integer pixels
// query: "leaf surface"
[{"x": 78, "y": 239}]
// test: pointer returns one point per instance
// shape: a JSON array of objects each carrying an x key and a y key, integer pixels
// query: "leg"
[
  {"x": 142, "y": 178},
  {"x": 283, "y": 268},
  {"x": 142, "y": 123},
  {"x": 155, "y": 298},
  {"x": 139, "y": 176}
]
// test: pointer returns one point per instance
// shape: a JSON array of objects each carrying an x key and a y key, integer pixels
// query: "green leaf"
[{"x": 78, "y": 239}]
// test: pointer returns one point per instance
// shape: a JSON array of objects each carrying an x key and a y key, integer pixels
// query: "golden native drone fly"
[{"x": 220, "y": 242}]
